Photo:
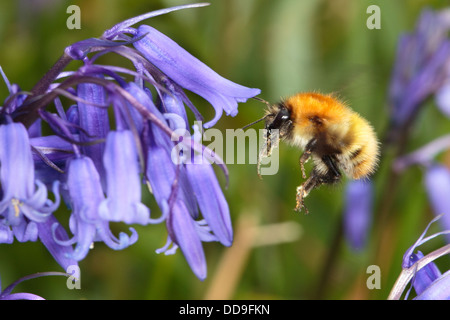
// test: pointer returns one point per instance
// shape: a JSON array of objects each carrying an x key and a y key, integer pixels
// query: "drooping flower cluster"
[
  {"x": 421, "y": 70},
  {"x": 422, "y": 67},
  {"x": 120, "y": 133}
]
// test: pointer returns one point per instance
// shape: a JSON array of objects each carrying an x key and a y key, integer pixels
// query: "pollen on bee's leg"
[
  {"x": 302, "y": 167},
  {"x": 265, "y": 152},
  {"x": 301, "y": 195},
  {"x": 258, "y": 166},
  {"x": 314, "y": 180}
]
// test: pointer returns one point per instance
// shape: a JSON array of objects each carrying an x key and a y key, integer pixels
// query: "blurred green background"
[{"x": 281, "y": 47}]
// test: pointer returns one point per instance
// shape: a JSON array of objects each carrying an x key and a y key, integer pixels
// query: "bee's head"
[{"x": 278, "y": 117}]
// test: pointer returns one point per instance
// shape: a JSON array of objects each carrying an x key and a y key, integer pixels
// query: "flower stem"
[
  {"x": 43, "y": 84},
  {"x": 29, "y": 112}
]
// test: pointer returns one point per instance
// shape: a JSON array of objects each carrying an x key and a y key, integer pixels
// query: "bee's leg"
[
  {"x": 303, "y": 159},
  {"x": 268, "y": 142},
  {"x": 303, "y": 190},
  {"x": 316, "y": 179},
  {"x": 333, "y": 175},
  {"x": 306, "y": 155}
]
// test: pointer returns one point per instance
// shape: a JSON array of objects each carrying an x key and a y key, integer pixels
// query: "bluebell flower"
[
  {"x": 109, "y": 141},
  {"x": 173, "y": 103},
  {"x": 425, "y": 276},
  {"x": 420, "y": 67},
  {"x": 24, "y": 200},
  {"x": 15, "y": 98},
  {"x": 209, "y": 196},
  {"x": 50, "y": 154},
  {"x": 191, "y": 73},
  {"x": 437, "y": 182},
  {"x": 6, "y": 234},
  {"x": 183, "y": 232},
  {"x": 51, "y": 234},
  {"x": 358, "y": 212},
  {"x": 93, "y": 122},
  {"x": 122, "y": 169},
  {"x": 164, "y": 176},
  {"x": 26, "y": 212},
  {"x": 422, "y": 272},
  {"x": 424, "y": 155},
  {"x": 439, "y": 289},
  {"x": 437, "y": 176},
  {"x": 428, "y": 281},
  {"x": 176, "y": 197},
  {"x": 86, "y": 195},
  {"x": 178, "y": 207},
  {"x": 186, "y": 231}
]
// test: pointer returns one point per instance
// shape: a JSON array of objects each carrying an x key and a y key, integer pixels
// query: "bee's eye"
[{"x": 284, "y": 114}]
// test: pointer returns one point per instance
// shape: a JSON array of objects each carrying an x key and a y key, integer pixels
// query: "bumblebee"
[{"x": 336, "y": 138}]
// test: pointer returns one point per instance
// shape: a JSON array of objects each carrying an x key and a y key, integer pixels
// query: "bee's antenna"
[
  {"x": 263, "y": 118},
  {"x": 254, "y": 122},
  {"x": 262, "y": 100}
]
